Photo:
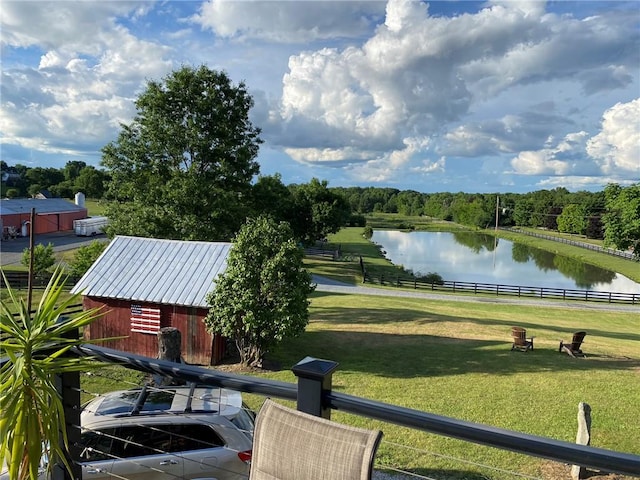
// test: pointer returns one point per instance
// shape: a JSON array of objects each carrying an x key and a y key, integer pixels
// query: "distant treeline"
[
  {"x": 612, "y": 215},
  {"x": 542, "y": 208}
]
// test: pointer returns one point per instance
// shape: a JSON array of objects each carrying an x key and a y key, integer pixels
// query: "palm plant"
[{"x": 36, "y": 348}]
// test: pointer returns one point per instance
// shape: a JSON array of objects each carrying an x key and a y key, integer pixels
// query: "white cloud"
[
  {"x": 73, "y": 26},
  {"x": 288, "y": 21},
  {"x": 617, "y": 146},
  {"x": 561, "y": 159},
  {"x": 419, "y": 74},
  {"x": 431, "y": 167},
  {"x": 542, "y": 162},
  {"x": 581, "y": 182},
  {"x": 612, "y": 152},
  {"x": 86, "y": 79}
]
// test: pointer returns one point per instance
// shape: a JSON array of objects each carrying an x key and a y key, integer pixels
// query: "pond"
[{"x": 480, "y": 258}]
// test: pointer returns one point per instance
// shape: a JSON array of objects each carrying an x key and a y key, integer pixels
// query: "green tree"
[
  {"x": 318, "y": 211},
  {"x": 622, "y": 220},
  {"x": 261, "y": 298},
  {"x": 84, "y": 257},
  {"x": 35, "y": 345},
  {"x": 12, "y": 193},
  {"x": 90, "y": 181},
  {"x": 44, "y": 177},
  {"x": 271, "y": 196},
  {"x": 522, "y": 212},
  {"x": 43, "y": 258},
  {"x": 72, "y": 169},
  {"x": 183, "y": 168},
  {"x": 63, "y": 189},
  {"x": 572, "y": 219}
]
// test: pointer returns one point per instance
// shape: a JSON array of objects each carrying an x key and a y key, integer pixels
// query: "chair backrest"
[
  {"x": 519, "y": 335},
  {"x": 291, "y": 445},
  {"x": 578, "y": 337}
]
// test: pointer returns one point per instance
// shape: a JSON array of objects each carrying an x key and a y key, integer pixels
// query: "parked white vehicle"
[
  {"x": 89, "y": 227},
  {"x": 150, "y": 433}
]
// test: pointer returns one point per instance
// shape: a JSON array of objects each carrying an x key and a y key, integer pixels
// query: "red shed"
[
  {"x": 145, "y": 284},
  {"x": 52, "y": 214}
]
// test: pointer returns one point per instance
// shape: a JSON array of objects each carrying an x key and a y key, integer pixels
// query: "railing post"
[
  {"x": 314, "y": 380},
  {"x": 68, "y": 385}
]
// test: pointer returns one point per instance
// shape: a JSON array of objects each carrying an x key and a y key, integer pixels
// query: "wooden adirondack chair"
[
  {"x": 520, "y": 340},
  {"x": 291, "y": 445},
  {"x": 573, "y": 348}
]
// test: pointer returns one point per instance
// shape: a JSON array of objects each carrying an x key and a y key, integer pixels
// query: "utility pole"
[
  {"x": 31, "y": 248},
  {"x": 495, "y": 236}
]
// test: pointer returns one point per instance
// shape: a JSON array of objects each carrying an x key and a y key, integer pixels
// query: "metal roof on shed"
[
  {"x": 151, "y": 270},
  {"x": 12, "y": 206}
]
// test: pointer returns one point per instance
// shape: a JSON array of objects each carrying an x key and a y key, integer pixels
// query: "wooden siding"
[
  {"x": 45, "y": 222},
  {"x": 198, "y": 346}
]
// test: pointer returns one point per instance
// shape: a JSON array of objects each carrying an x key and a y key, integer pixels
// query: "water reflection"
[{"x": 477, "y": 257}]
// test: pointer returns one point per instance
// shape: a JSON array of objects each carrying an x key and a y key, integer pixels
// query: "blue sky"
[{"x": 504, "y": 96}]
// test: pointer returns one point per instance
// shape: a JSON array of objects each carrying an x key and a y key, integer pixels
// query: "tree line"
[{"x": 612, "y": 215}]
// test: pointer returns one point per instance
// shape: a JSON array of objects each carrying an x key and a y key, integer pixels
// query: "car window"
[
  {"x": 158, "y": 400},
  {"x": 140, "y": 440},
  {"x": 194, "y": 437},
  {"x": 244, "y": 420},
  {"x": 122, "y": 403},
  {"x": 97, "y": 445}
]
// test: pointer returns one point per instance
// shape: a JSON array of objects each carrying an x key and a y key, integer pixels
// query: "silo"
[{"x": 80, "y": 199}]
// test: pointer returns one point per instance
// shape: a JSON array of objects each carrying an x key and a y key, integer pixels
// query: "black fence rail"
[
  {"x": 70, "y": 310},
  {"x": 511, "y": 290},
  {"x": 314, "y": 395},
  {"x": 20, "y": 280},
  {"x": 322, "y": 252},
  {"x": 577, "y": 243}
]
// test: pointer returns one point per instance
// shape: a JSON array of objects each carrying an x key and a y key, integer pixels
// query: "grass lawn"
[{"x": 454, "y": 359}]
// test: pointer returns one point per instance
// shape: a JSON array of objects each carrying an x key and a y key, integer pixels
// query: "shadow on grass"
[
  {"x": 377, "y": 316},
  {"x": 348, "y": 340},
  {"x": 397, "y": 355}
]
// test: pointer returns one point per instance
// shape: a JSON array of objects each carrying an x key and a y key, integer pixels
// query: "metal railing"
[
  {"x": 511, "y": 290},
  {"x": 314, "y": 395},
  {"x": 575, "y": 243}
]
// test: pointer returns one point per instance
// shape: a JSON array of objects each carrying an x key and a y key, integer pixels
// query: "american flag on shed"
[{"x": 145, "y": 319}]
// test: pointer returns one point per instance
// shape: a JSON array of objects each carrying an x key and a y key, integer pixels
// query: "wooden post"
[
  {"x": 583, "y": 437},
  {"x": 169, "y": 340},
  {"x": 169, "y": 348}
]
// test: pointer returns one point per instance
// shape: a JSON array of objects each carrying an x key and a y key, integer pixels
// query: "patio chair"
[
  {"x": 291, "y": 445},
  {"x": 520, "y": 340},
  {"x": 573, "y": 348}
]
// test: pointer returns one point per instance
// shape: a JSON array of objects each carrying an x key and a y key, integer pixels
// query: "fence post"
[
  {"x": 68, "y": 386},
  {"x": 314, "y": 379},
  {"x": 583, "y": 437}
]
